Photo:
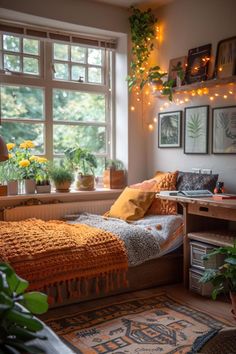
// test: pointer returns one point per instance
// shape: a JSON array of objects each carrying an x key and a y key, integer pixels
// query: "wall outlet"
[
  {"x": 196, "y": 170},
  {"x": 207, "y": 171}
]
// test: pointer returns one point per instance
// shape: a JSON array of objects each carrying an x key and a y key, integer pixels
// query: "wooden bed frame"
[{"x": 165, "y": 270}]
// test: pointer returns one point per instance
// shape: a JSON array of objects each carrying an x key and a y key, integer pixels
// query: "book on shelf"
[{"x": 223, "y": 196}]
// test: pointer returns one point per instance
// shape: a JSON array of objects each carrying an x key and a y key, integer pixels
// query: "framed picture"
[
  {"x": 196, "y": 124},
  {"x": 177, "y": 65},
  {"x": 198, "y": 63},
  {"x": 224, "y": 130},
  {"x": 226, "y": 58},
  {"x": 169, "y": 129}
]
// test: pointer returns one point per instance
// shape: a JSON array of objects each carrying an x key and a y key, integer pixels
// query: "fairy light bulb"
[
  {"x": 225, "y": 97},
  {"x": 155, "y": 120},
  {"x": 161, "y": 108},
  {"x": 132, "y": 108},
  {"x": 186, "y": 99},
  {"x": 150, "y": 126},
  {"x": 212, "y": 98},
  {"x": 216, "y": 94},
  {"x": 231, "y": 92}
]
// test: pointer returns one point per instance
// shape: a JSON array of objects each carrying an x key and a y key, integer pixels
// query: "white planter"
[
  {"x": 30, "y": 186},
  {"x": 12, "y": 187}
]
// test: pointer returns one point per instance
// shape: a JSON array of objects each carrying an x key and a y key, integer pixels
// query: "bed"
[{"x": 154, "y": 257}]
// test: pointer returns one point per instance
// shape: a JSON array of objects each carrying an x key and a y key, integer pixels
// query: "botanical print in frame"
[
  {"x": 169, "y": 129},
  {"x": 226, "y": 58},
  {"x": 176, "y": 65},
  {"x": 224, "y": 130},
  {"x": 196, "y": 130}
]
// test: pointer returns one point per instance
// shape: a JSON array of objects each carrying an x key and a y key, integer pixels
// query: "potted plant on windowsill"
[
  {"x": 62, "y": 176},
  {"x": 223, "y": 279},
  {"x": 114, "y": 174},
  {"x": 85, "y": 163},
  {"x": 18, "y": 326},
  {"x": 43, "y": 184},
  {"x": 11, "y": 170}
]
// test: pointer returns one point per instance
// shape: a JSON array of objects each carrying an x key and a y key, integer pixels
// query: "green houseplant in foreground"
[
  {"x": 85, "y": 163},
  {"x": 18, "y": 326},
  {"x": 223, "y": 279}
]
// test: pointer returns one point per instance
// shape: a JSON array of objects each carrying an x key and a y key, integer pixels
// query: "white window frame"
[{"x": 46, "y": 81}]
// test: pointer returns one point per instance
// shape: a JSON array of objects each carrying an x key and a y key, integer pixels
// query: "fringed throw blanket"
[{"x": 54, "y": 253}]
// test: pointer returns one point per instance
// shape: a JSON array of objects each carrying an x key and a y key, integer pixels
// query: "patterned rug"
[{"x": 157, "y": 324}]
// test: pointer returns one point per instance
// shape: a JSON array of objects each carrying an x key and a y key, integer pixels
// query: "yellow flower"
[
  {"x": 10, "y": 156},
  {"x": 34, "y": 158},
  {"x": 10, "y": 146},
  {"x": 42, "y": 160},
  {"x": 27, "y": 144},
  {"x": 24, "y": 163}
]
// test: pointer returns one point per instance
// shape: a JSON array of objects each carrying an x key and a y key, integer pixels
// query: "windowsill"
[{"x": 99, "y": 193}]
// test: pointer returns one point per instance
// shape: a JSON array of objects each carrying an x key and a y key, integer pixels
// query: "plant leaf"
[
  {"x": 35, "y": 302},
  {"x": 24, "y": 320}
]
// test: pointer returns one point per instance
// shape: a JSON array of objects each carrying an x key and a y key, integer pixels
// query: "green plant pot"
[{"x": 85, "y": 183}]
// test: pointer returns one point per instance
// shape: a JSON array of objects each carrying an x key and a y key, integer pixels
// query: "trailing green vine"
[{"x": 143, "y": 32}]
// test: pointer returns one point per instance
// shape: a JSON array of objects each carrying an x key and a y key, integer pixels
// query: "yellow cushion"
[{"x": 132, "y": 204}]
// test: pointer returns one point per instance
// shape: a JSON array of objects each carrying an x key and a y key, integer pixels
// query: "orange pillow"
[
  {"x": 132, "y": 204},
  {"x": 162, "y": 181}
]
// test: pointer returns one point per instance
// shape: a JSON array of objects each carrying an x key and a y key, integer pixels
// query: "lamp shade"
[{"x": 3, "y": 150}]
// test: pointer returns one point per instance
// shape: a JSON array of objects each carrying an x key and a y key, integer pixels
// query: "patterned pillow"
[
  {"x": 192, "y": 181},
  {"x": 161, "y": 181}
]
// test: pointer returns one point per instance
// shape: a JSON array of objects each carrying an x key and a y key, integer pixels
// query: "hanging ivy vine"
[{"x": 143, "y": 32}]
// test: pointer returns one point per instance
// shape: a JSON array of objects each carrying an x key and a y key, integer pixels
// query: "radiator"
[{"x": 56, "y": 211}]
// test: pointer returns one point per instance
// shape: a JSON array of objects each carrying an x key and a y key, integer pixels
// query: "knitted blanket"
[{"x": 54, "y": 252}]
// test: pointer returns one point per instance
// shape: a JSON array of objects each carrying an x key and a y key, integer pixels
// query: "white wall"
[{"x": 186, "y": 24}]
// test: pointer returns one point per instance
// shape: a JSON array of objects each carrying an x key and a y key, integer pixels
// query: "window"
[{"x": 56, "y": 94}]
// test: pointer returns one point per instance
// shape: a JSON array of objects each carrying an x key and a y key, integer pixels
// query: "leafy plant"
[
  {"x": 143, "y": 31},
  {"x": 194, "y": 126},
  {"x": 81, "y": 159},
  {"x": 179, "y": 70},
  {"x": 114, "y": 164},
  {"x": 60, "y": 174},
  {"x": 17, "y": 324},
  {"x": 224, "y": 278}
]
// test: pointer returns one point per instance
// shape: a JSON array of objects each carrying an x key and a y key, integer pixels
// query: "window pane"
[
  {"x": 78, "y": 106},
  {"x": 95, "y": 75},
  {"x": 31, "y": 66},
  {"x": 18, "y": 132},
  {"x": 12, "y": 62},
  {"x": 90, "y": 137},
  {"x": 101, "y": 166},
  {"x": 22, "y": 102},
  {"x": 31, "y": 46},
  {"x": 61, "y": 71},
  {"x": 78, "y": 73},
  {"x": 78, "y": 54},
  {"x": 95, "y": 56},
  {"x": 11, "y": 43},
  {"x": 61, "y": 51}
]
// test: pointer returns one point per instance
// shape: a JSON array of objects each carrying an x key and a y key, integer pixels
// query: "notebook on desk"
[{"x": 199, "y": 193}]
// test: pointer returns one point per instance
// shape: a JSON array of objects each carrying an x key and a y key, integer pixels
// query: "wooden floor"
[{"x": 220, "y": 308}]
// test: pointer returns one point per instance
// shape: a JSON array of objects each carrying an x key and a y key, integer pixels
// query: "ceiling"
[{"x": 128, "y": 3}]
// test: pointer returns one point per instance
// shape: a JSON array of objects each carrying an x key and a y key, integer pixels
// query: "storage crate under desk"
[
  {"x": 215, "y": 238},
  {"x": 196, "y": 286},
  {"x": 200, "y": 249}
]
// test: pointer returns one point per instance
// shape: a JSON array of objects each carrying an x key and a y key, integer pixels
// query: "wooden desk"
[{"x": 206, "y": 220}]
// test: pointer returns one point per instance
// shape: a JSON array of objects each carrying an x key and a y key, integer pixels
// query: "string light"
[
  {"x": 212, "y": 98},
  {"x": 225, "y": 97},
  {"x": 132, "y": 108},
  {"x": 150, "y": 126},
  {"x": 155, "y": 120}
]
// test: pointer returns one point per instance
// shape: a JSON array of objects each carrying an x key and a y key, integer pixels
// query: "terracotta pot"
[
  {"x": 30, "y": 186},
  {"x": 233, "y": 301},
  {"x": 85, "y": 183},
  {"x": 114, "y": 179},
  {"x": 63, "y": 187},
  {"x": 12, "y": 187},
  {"x": 3, "y": 190}
]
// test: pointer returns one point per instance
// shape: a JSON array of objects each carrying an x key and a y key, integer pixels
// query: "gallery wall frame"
[
  {"x": 224, "y": 130},
  {"x": 170, "y": 129},
  {"x": 225, "y": 64},
  {"x": 196, "y": 130}
]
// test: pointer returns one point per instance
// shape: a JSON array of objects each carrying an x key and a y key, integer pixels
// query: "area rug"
[{"x": 156, "y": 324}]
